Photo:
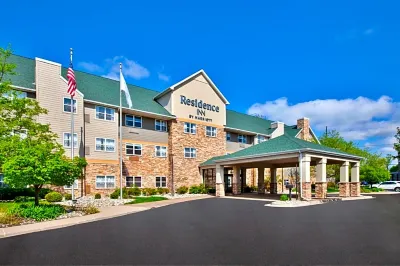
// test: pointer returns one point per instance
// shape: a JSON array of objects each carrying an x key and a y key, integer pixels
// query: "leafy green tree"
[
  {"x": 373, "y": 175},
  {"x": 389, "y": 159},
  {"x": 396, "y": 146},
  {"x": 394, "y": 168}
]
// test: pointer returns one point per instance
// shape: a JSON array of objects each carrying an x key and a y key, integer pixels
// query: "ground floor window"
[
  {"x": 133, "y": 181},
  {"x": 105, "y": 181},
  {"x": 161, "y": 181},
  {"x": 209, "y": 178}
]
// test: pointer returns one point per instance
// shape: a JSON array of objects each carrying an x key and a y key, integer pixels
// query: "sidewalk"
[{"x": 105, "y": 213}]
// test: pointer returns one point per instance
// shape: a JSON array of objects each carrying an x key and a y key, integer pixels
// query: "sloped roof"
[
  {"x": 25, "y": 72},
  {"x": 284, "y": 143}
]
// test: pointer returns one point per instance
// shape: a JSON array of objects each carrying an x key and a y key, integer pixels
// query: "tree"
[
  {"x": 394, "y": 168},
  {"x": 373, "y": 175},
  {"x": 396, "y": 146},
  {"x": 389, "y": 159}
]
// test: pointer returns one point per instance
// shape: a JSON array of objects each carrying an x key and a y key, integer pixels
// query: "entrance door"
[{"x": 228, "y": 177}]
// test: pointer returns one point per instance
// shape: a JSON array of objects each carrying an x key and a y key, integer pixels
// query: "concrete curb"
[
  {"x": 106, "y": 213},
  {"x": 244, "y": 198}
]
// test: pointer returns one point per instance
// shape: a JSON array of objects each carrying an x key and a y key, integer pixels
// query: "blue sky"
[{"x": 271, "y": 57}]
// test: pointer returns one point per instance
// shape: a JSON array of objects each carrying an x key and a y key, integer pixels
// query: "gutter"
[{"x": 245, "y": 131}]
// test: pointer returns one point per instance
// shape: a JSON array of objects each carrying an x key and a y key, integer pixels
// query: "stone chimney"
[
  {"x": 279, "y": 129},
  {"x": 304, "y": 123}
]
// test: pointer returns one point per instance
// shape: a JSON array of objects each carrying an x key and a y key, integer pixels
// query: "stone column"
[
  {"x": 219, "y": 181},
  {"x": 355, "y": 180},
  {"x": 273, "y": 189},
  {"x": 320, "y": 182},
  {"x": 237, "y": 186},
  {"x": 344, "y": 185},
  {"x": 306, "y": 178},
  {"x": 261, "y": 185}
]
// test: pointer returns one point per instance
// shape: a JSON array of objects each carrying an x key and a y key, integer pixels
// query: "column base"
[
  {"x": 355, "y": 189},
  {"x": 236, "y": 189},
  {"x": 344, "y": 189},
  {"x": 273, "y": 189},
  {"x": 321, "y": 190},
  {"x": 220, "y": 190},
  {"x": 306, "y": 190}
]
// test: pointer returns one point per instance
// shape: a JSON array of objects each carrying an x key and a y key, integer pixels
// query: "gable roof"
[
  {"x": 202, "y": 72},
  {"x": 281, "y": 144},
  {"x": 25, "y": 72}
]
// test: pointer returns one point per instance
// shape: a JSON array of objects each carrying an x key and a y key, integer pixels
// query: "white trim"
[
  {"x": 155, "y": 151},
  {"x": 66, "y": 82},
  {"x": 141, "y": 120},
  {"x": 190, "y": 128},
  {"x": 22, "y": 88},
  {"x": 201, "y": 71},
  {"x": 155, "y": 182},
  {"x": 105, "y": 182},
  {"x": 135, "y": 110},
  {"x": 47, "y": 61},
  {"x": 243, "y": 136},
  {"x": 105, "y": 113},
  {"x": 244, "y": 131},
  {"x": 216, "y": 131},
  {"x": 133, "y": 181},
  {"x": 191, "y": 152},
  {"x": 133, "y": 144},
  {"x": 155, "y": 125},
  {"x": 77, "y": 140},
  {"x": 72, "y": 106},
  {"x": 105, "y": 144},
  {"x": 77, "y": 185},
  {"x": 315, "y": 136}
]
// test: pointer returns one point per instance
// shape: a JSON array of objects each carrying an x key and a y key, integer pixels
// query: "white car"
[{"x": 389, "y": 185}]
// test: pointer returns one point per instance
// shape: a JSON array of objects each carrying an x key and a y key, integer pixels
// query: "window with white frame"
[
  {"x": 189, "y": 128},
  {"x": 228, "y": 136},
  {"x": 133, "y": 181},
  {"x": 161, "y": 151},
  {"x": 105, "y": 181},
  {"x": 104, "y": 113},
  {"x": 22, "y": 133},
  {"x": 69, "y": 186},
  {"x": 211, "y": 131},
  {"x": 161, "y": 181},
  {"x": 133, "y": 149},
  {"x": 261, "y": 138},
  {"x": 133, "y": 121},
  {"x": 190, "y": 152},
  {"x": 68, "y": 105},
  {"x": 242, "y": 138},
  {"x": 161, "y": 125},
  {"x": 103, "y": 144},
  {"x": 2, "y": 184},
  {"x": 67, "y": 140}
]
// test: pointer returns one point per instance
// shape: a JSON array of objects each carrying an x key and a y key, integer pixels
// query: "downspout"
[{"x": 300, "y": 175}]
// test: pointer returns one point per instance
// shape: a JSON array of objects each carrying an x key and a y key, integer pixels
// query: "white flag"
[{"x": 123, "y": 87}]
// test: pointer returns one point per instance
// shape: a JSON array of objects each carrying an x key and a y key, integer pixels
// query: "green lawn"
[
  {"x": 5, "y": 205},
  {"x": 138, "y": 200}
]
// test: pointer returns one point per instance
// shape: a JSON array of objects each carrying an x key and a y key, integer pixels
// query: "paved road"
[{"x": 224, "y": 231}]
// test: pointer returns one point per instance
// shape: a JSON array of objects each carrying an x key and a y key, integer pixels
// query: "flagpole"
[
  {"x": 72, "y": 134},
  {"x": 120, "y": 132}
]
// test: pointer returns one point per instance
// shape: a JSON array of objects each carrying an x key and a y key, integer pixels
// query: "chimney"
[
  {"x": 279, "y": 129},
  {"x": 304, "y": 123}
]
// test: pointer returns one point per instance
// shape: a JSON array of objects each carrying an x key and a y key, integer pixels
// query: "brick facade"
[
  {"x": 355, "y": 189},
  {"x": 306, "y": 190},
  {"x": 101, "y": 169},
  {"x": 344, "y": 189},
  {"x": 321, "y": 189}
]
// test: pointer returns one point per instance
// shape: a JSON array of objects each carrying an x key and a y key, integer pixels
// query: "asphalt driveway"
[{"x": 224, "y": 231}]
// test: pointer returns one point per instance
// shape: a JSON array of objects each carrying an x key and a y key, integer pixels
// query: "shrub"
[
  {"x": 91, "y": 209},
  {"x": 182, "y": 190},
  {"x": 127, "y": 192},
  {"x": 68, "y": 196},
  {"x": 365, "y": 190},
  {"x": 53, "y": 197},
  {"x": 162, "y": 190},
  {"x": 10, "y": 219},
  {"x": 8, "y": 193},
  {"x": 247, "y": 189},
  {"x": 284, "y": 197},
  {"x": 24, "y": 199},
  {"x": 44, "y": 191},
  {"x": 211, "y": 190},
  {"x": 149, "y": 191},
  {"x": 115, "y": 194},
  {"x": 331, "y": 185},
  {"x": 133, "y": 191},
  {"x": 37, "y": 213},
  {"x": 200, "y": 189},
  {"x": 97, "y": 196},
  {"x": 254, "y": 188}
]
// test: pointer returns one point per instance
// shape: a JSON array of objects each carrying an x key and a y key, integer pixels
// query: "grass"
[
  {"x": 332, "y": 189},
  {"x": 4, "y": 206},
  {"x": 138, "y": 200}
]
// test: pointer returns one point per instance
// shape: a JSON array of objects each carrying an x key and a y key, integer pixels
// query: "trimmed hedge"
[
  {"x": 8, "y": 193},
  {"x": 162, "y": 190},
  {"x": 149, "y": 191},
  {"x": 53, "y": 197},
  {"x": 68, "y": 196},
  {"x": 198, "y": 189},
  {"x": 182, "y": 190},
  {"x": 97, "y": 196}
]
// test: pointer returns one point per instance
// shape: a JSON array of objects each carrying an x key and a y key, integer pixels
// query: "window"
[
  {"x": 190, "y": 153},
  {"x": 67, "y": 140},
  {"x": 161, "y": 125},
  {"x": 2, "y": 184},
  {"x": 189, "y": 128},
  {"x": 133, "y": 149},
  {"x": 133, "y": 181},
  {"x": 104, "y": 113},
  {"x": 133, "y": 121},
  {"x": 242, "y": 138},
  {"x": 228, "y": 136},
  {"x": 22, "y": 133},
  {"x": 261, "y": 138},
  {"x": 103, "y": 144},
  {"x": 68, "y": 105},
  {"x": 161, "y": 181},
  {"x": 105, "y": 181},
  {"x": 211, "y": 131},
  {"x": 161, "y": 151},
  {"x": 69, "y": 186}
]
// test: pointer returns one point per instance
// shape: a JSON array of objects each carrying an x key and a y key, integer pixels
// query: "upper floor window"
[
  {"x": 67, "y": 140},
  {"x": 211, "y": 131},
  {"x": 261, "y": 138},
  {"x": 133, "y": 121},
  {"x": 242, "y": 138},
  {"x": 190, "y": 152},
  {"x": 161, "y": 125},
  {"x": 22, "y": 133},
  {"x": 104, "y": 113},
  {"x": 161, "y": 151},
  {"x": 189, "y": 128},
  {"x": 133, "y": 149},
  {"x": 228, "y": 136},
  {"x": 68, "y": 105},
  {"x": 103, "y": 144}
]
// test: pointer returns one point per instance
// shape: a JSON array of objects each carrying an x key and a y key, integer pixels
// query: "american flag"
[{"x": 71, "y": 81}]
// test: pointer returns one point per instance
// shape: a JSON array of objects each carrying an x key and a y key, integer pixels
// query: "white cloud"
[
  {"x": 91, "y": 67},
  {"x": 163, "y": 77},
  {"x": 356, "y": 119},
  {"x": 130, "y": 68}
]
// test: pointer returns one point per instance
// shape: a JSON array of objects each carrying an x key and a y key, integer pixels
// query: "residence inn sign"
[{"x": 201, "y": 106}]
